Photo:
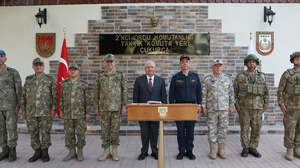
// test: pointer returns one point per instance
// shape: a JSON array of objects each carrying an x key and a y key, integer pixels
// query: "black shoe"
[
  {"x": 5, "y": 153},
  {"x": 190, "y": 155},
  {"x": 37, "y": 154},
  {"x": 45, "y": 155},
  {"x": 154, "y": 155},
  {"x": 245, "y": 152},
  {"x": 254, "y": 152},
  {"x": 180, "y": 155},
  {"x": 142, "y": 156},
  {"x": 12, "y": 154}
]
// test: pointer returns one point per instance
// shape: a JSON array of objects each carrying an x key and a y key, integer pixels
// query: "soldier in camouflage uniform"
[
  {"x": 217, "y": 102},
  {"x": 38, "y": 104},
  {"x": 75, "y": 109},
  {"x": 251, "y": 93},
  {"x": 288, "y": 96},
  {"x": 110, "y": 100},
  {"x": 10, "y": 98}
]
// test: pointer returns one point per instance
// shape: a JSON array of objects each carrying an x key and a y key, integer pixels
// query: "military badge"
[
  {"x": 264, "y": 42},
  {"x": 162, "y": 112},
  {"x": 45, "y": 44}
]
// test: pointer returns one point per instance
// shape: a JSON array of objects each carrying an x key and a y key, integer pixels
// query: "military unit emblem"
[
  {"x": 264, "y": 42},
  {"x": 162, "y": 112},
  {"x": 45, "y": 44}
]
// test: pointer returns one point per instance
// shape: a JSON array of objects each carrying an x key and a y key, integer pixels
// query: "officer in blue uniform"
[{"x": 185, "y": 87}]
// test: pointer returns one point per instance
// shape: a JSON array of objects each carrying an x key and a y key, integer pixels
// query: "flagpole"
[{"x": 65, "y": 30}]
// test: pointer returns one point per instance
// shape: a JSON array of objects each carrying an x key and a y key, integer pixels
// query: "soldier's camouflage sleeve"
[
  {"x": 18, "y": 86},
  {"x": 23, "y": 98},
  {"x": 61, "y": 99},
  {"x": 231, "y": 94},
  {"x": 96, "y": 93},
  {"x": 87, "y": 96},
  {"x": 281, "y": 88},
  {"x": 124, "y": 92},
  {"x": 204, "y": 93},
  {"x": 54, "y": 95},
  {"x": 236, "y": 90},
  {"x": 266, "y": 95}
]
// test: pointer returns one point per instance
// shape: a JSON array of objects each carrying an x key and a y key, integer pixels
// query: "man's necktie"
[{"x": 150, "y": 84}]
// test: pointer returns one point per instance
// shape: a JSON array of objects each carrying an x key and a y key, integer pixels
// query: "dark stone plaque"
[{"x": 154, "y": 43}]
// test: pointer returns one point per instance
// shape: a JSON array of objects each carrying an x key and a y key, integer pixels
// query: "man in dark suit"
[{"x": 149, "y": 87}]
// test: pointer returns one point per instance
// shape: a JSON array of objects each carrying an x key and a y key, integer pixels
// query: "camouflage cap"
[
  {"x": 109, "y": 57},
  {"x": 73, "y": 65},
  {"x": 217, "y": 61},
  {"x": 184, "y": 56},
  {"x": 2, "y": 52},
  {"x": 294, "y": 55},
  {"x": 36, "y": 60}
]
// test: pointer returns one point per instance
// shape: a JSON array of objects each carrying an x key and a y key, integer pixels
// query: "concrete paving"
[{"x": 270, "y": 146}]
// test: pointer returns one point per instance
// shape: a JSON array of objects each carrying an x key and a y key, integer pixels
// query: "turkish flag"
[{"x": 63, "y": 71}]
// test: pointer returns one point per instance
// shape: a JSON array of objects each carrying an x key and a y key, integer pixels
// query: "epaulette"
[
  {"x": 176, "y": 74},
  {"x": 49, "y": 76},
  {"x": 100, "y": 71},
  {"x": 227, "y": 76},
  {"x": 11, "y": 69},
  {"x": 291, "y": 72},
  {"x": 63, "y": 81},
  {"x": 30, "y": 76},
  {"x": 207, "y": 76},
  {"x": 118, "y": 71},
  {"x": 84, "y": 81},
  {"x": 260, "y": 72},
  {"x": 194, "y": 73}
]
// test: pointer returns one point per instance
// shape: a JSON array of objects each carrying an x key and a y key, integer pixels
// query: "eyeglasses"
[
  {"x": 148, "y": 67},
  {"x": 36, "y": 65}
]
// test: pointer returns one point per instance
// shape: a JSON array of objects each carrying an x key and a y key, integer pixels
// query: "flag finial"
[
  {"x": 250, "y": 35},
  {"x": 65, "y": 30}
]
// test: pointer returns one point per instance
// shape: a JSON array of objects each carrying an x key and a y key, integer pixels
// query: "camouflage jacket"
[
  {"x": 75, "y": 99},
  {"x": 10, "y": 89},
  {"x": 110, "y": 91},
  {"x": 288, "y": 93},
  {"x": 217, "y": 92},
  {"x": 251, "y": 91},
  {"x": 39, "y": 96}
]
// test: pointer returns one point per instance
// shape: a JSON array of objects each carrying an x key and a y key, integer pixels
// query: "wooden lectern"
[{"x": 162, "y": 112}]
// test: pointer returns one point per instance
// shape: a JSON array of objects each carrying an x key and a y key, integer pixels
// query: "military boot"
[
  {"x": 12, "y": 154},
  {"x": 106, "y": 154},
  {"x": 71, "y": 155},
  {"x": 297, "y": 152},
  {"x": 114, "y": 152},
  {"x": 37, "y": 154},
  {"x": 80, "y": 154},
  {"x": 254, "y": 152},
  {"x": 45, "y": 155},
  {"x": 5, "y": 153},
  {"x": 221, "y": 151},
  {"x": 213, "y": 151},
  {"x": 289, "y": 154}
]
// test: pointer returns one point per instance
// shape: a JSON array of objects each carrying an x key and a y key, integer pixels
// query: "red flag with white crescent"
[{"x": 63, "y": 71}]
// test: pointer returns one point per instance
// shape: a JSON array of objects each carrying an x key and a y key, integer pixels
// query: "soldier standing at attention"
[
  {"x": 288, "y": 97},
  {"x": 217, "y": 103},
  {"x": 75, "y": 109},
  {"x": 251, "y": 93},
  {"x": 10, "y": 98},
  {"x": 185, "y": 87},
  {"x": 38, "y": 104},
  {"x": 110, "y": 100}
]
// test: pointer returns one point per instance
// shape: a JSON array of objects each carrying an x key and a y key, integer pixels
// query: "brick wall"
[{"x": 180, "y": 19}]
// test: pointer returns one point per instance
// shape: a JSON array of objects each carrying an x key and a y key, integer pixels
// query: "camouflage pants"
[
  {"x": 37, "y": 126},
  {"x": 217, "y": 122},
  {"x": 72, "y": 125},
  {"x": 110, "y": 125},
  {"x": 291, "y": 123},
  {"x": 250, "y": 118},
  {"x": 8, "y": 125}
]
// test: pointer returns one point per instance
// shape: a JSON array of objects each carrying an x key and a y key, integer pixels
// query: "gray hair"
[{"x": 149, "y": 62}]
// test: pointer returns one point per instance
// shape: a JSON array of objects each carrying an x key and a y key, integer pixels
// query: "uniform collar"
[
  {"x": 34, "y": 77},
  {"x": 4, "y": 70},
  {"x": 181, "y": 73},
  {"x": 113, "y": 72}
]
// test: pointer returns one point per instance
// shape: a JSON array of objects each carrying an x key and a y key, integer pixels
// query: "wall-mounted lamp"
[
  {"x": 41, "y": 17},
  {"x": 269, "y": 15}
]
